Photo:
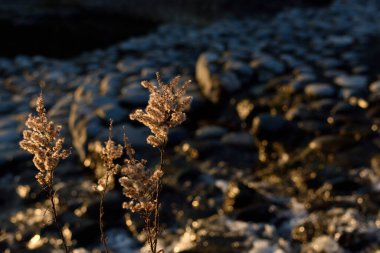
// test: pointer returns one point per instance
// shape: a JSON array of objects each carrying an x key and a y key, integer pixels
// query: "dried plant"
[
  {"x": 42, "y": 139},
  {"x": 110, "y": 152},
  {"x": 165, "y": 110}
]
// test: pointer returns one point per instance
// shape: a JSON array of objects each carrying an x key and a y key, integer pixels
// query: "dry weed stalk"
[
  {"x": 110, "y": 152},
  {"x": 165, "y": 110},
  {"x": 42, "y": 139}
]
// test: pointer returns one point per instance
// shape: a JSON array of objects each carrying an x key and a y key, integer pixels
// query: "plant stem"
[
  {"x": 157, "y": 203},
  {"x": 59, "y": 228},
  {"x": 101, "y": 213}
]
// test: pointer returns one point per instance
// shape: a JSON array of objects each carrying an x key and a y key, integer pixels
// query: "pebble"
[
  {"x": 374, "y": 87},
  {"x": 309, "y": 133},
  {"x": 353, "y": 82},
  {"x": 239, "y": 139},
  {"x": 319, "y": 90},
  {"x": 210, "y": 132}
]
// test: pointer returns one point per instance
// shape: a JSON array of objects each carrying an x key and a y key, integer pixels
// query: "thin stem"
[
  {"x": 59, "y": 228},
  {"x": 101, "y": 213},
  {"x": 157, "y": 203},
  {"x": 148, "y": 231}
]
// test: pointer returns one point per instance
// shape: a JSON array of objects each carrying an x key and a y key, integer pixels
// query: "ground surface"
[{"x": 280, "y": 152}]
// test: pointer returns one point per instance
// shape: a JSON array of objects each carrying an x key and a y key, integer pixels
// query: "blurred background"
[{"x": 281, "y": 149}]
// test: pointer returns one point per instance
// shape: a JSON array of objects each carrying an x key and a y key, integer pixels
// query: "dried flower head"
[
  {"x": 139, "y": 184},
  {"x": 42, "y": 139},
  {"x": 165, "y": 109},
  {"x": 110, "y": 152}
]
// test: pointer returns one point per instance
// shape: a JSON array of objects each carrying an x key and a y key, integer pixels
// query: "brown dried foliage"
[
  {"x": 110, "y": 152},
  {"x": 165, "y": 109},
  {"x": 42, "y": 139},
  {"x": 138, "y": 183}
]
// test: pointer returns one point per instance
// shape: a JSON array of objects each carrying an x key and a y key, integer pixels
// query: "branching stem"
[
  {"x": 54, "y": 211},
  {"x": 157, "y": 203},
  {"x": 101, "y": 213}
]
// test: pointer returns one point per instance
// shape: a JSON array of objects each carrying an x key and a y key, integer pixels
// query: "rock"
[
  {"x": 247, "y": 204},
  {"x": 330, "y": 63},
  {"x": 375, "y": 87},
  {"x": 110, "y": 84},
  {"x": 10, "y": 136},
  {"x": 8, "y": 122},
  {"x": 210, "y": 132},
  {"x": 314, "y": 126},
  {"x": 330, "y": 143},
  {"x": 177, "y": 135},
  {"x": 319, "y": 90},
  {"x": 266, "y": 127},
  {"x": 346, "y": 112},
  {"x": 353, "y": 82},
  {"x": 266, "y": 123},
  {"x": 7, "y": 107},
  {"x": 239, "y": 139},
  {"x": 114, "y": 112},
  {"x": 333, "y": 73},
  {"x": 222, "y": 234},
  {"x": 350, "y": 93},
  {"x": 134, "y": 98},
  {"x": 206, "y": 76},
  {"x": 241, "y": 69},
  {"x": 322, "y": 244},
  {"x": 119, "y": 240},
  {"x": 133, "y": 66},
  {"x": 340, "y": 41},
  {"x": 269, "y": 63},
  {"x": 375, "y": 164},
  {"x": 265, "y": 246},
  {"x": 323, "y": 105},
  {"x": 136, "y": 135},
  {"x": 230, "y": 82},
  {"x": 298, "y": 112}
]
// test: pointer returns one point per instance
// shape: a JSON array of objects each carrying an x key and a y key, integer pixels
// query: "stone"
[
  {"x": 375, "y": 164},
  {"x": 374, "y": 87},
  {"x": 269, "y": 63},
  {"x": 340, "y": 41},
  {"x": 7, "y": 107},
  {"x": 136, "y": 135},
  {"x": 266, "y": 125},
  {"x": 330, "y": 143},
  {"x": 222, "y": 234},
  {"x": 114, "y": 112},
  {"x": 247, "y": 203},
  {"x": 347, "y": 93},
  {"x": 319, "y": 90},
  {"x": 239, "y": 139},
  {"x": 322, "y": 244},
  {"x": 240, "y": 68},
  {"x": 353, "y": 82},
  {"x": 10, "y": 136},
  {"x": 210, "y": 132},
  {"x": 177, "y": 135},
  {"x": 134, "y": 98},
  {"x": 111, "y": 84},
  {"x": 330, "y": 63},
  {"x": 206, "y": 77},
  {"x": 230, "y": 82}
]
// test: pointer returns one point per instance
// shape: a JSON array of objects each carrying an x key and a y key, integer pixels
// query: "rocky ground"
[{"x": 280, "y": 152}]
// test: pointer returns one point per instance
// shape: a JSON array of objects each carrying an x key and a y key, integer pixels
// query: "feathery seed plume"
[
  {"x": 165, "y": 109},
  {"x": 42, "y": 139}
]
